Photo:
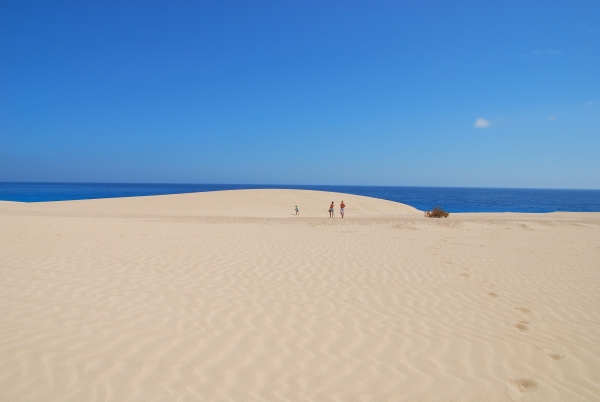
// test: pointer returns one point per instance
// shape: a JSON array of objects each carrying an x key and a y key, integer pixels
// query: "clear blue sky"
[{"x": 460, "y": 93}]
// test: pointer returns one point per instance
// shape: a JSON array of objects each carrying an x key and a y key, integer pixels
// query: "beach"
[{"x": 228, "y": 296}]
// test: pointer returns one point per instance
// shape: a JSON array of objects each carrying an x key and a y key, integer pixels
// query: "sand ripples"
[{"x": 259, "y": 309}]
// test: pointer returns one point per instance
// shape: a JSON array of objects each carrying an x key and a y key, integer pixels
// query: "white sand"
[{"x": 229, "y": 296}]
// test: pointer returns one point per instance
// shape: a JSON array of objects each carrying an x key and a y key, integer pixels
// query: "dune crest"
[{"x": 266, "y": 203}]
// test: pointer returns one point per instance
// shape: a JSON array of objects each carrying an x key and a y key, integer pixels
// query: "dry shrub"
[{"x": 436, "y": 212}]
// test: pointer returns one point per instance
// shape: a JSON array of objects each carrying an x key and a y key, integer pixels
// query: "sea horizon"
[
  {"x": 287, "y": 184},
  {"x": 452, "y": 199}
]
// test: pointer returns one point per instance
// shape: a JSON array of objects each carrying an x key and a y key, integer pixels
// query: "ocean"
[{"x": 452, "y": 199}]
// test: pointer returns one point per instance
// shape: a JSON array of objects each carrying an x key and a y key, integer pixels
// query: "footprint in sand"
[
  {"x": 555, "y": 356},
  {"x": 525, "y": 384},
  {"x": 521, "y": 326},
  {"x": 492, "y": 294},
  {"x": 523, "y": 310}
]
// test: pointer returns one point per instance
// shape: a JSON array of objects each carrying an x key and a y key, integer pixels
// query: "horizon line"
[{"x": 281, "y": 185}]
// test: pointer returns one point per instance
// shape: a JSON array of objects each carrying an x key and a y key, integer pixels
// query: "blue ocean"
[{"x": 452, "y": 199}]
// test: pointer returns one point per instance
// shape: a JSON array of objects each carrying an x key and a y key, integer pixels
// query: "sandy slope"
[
  {"x": 235, "y": 203},
  {"x": 190, "y": 297}
]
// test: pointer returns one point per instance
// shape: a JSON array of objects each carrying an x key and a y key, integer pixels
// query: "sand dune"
[
  {"x": 234, "y": 203},
  {"x": 227, "y": 296}
]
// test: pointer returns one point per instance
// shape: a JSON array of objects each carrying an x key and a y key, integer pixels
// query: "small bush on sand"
[{"x": 436, "y": 212}]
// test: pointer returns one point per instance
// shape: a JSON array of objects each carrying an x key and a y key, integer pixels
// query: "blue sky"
[{"x": 374, "y": 93}]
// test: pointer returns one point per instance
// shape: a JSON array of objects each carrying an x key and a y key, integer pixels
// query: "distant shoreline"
[{"x": 453, "y": 199}]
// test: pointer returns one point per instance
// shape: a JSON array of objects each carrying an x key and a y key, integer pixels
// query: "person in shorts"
[
  {"x": 297, "y": 210},
  {"x": 342, "y": 207},
  {"x": 331, "y": 208}
]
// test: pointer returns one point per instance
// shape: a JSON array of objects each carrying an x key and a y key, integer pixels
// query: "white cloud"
[
  {"x": 548, "y": 52},
  {"x": 590, "y": 103},
  {"x": 551, "y": 118},
  {"x": 482, "y": 123}
]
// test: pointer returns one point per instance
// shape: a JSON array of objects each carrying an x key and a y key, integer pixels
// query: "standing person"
[
  {"x": 342, "y": 206},
  {"x": 331, "y": 208},
  {"x": 297, "y": 211}
]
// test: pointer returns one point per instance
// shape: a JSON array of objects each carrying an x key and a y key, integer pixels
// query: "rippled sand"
[{"x": 229, "y": 296}]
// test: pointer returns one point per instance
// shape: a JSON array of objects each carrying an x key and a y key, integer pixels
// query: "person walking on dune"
[
  {"x": 297, "y": 211},
  {"x": 331, "y": 208},
  {"x": 342, "y": 206}
]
